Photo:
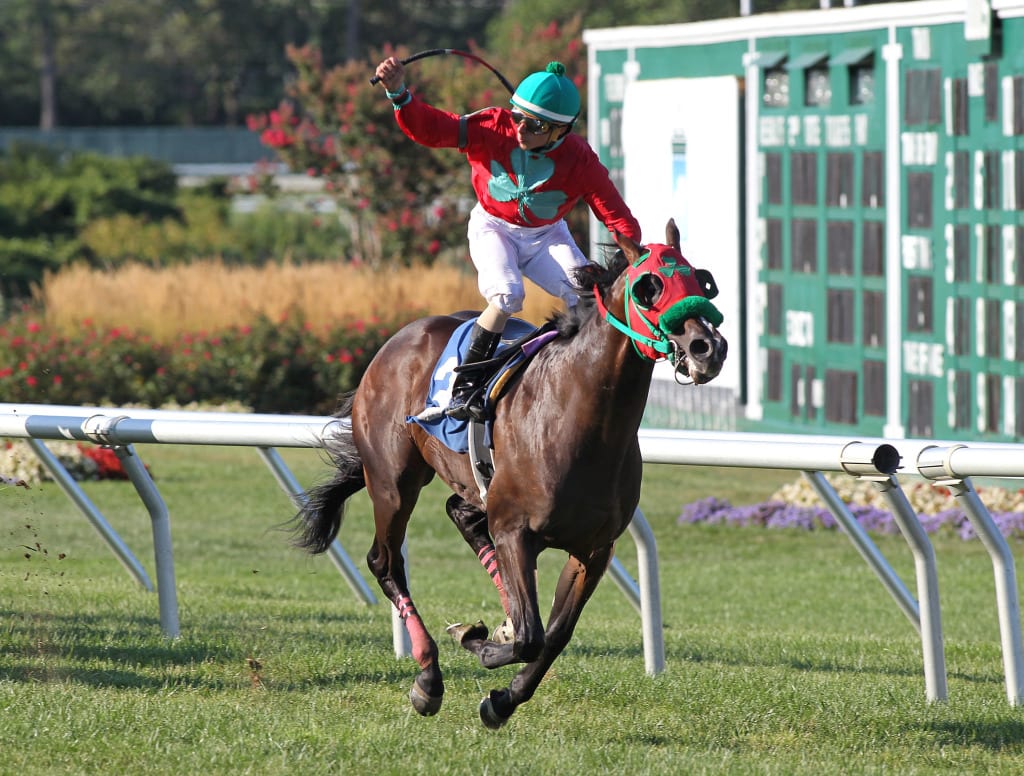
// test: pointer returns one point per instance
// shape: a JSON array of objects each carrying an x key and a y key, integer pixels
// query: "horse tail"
[{"x": 320, "y": 517}]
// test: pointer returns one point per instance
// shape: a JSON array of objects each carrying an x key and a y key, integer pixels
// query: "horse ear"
[
  {"x": 632, "y": 250},
  {"x": 672, "y": 233}
]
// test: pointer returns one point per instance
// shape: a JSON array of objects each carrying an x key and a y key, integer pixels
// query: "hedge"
[{"x": 282, "y": 366}]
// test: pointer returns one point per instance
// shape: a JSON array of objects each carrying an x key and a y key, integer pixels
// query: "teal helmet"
[{"x": 549, "y": 95}]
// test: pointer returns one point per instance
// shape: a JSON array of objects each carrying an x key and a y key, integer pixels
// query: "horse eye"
[{"x": 647, "y": 289}]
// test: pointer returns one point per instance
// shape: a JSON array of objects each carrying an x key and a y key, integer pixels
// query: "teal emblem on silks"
[{"x": 530, "y": 174}]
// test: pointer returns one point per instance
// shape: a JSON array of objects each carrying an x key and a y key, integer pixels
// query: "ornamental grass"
[{"x": 210, "y": 295}]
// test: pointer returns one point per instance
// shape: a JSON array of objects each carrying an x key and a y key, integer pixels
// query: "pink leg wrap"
[
  {"x": 421, "y": 650},
  {"x": 490, "y": 564}
]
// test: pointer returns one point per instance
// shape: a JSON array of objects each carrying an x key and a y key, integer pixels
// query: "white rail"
[
  {"x": 875, "y": 460},
  {"x": 122, "y": 428}
]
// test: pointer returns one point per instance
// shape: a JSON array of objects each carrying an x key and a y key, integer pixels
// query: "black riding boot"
[{"x": 468, "y": 390}]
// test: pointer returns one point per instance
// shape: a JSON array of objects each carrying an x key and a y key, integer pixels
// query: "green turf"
[{"x": 784, "y": 654}]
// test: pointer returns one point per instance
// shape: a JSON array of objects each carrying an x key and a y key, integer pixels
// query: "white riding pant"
[{"x": 504, "y": 253}]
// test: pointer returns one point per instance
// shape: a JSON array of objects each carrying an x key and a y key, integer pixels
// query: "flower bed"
[
  {"x": 283, "y": 366},
  {"x": 20, "y": 466},
  {"x": 797, "y": 505}
]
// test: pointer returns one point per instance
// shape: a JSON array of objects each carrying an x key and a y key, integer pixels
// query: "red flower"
[{"x": 108, "y": 465}]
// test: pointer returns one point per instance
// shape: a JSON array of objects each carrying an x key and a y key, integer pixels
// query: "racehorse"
[{"x": 567, "y": 465}]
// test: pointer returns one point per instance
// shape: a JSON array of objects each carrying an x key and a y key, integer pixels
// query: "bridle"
[{"x": 663, "y": 290}]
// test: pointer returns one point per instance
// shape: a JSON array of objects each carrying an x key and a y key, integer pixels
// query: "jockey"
[{"x": 528, "y": 171}]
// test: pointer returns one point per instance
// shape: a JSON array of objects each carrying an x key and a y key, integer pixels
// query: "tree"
[{"x": 108, "y": 62}]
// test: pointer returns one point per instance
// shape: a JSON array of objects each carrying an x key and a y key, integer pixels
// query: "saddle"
[{"x": 495, "y": 375}]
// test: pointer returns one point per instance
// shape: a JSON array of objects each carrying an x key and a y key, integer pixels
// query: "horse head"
[{"x": 668, "y": 309}]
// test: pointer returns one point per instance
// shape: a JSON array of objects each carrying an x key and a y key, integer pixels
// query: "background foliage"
[
  {"x": 274, "y": 366},
  {"x": 108, "y": 62}
]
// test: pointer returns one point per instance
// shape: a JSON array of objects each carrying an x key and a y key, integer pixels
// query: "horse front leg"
[
  {"x": 576, "y": 584},
  {"x": 388, "y": 566},
  {"x": 517, "y": 559}
]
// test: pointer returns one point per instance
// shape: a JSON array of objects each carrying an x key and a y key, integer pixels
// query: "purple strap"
[{"x": 537, "y": 343}]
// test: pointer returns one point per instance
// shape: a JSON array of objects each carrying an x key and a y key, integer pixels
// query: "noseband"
[{"x": 663, "y": 290}]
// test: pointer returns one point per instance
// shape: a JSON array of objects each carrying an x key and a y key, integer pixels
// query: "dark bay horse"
[{"x": 565, "y": 451}]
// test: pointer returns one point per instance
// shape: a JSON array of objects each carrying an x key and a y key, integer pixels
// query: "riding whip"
[{"x": 438, "y": 51}]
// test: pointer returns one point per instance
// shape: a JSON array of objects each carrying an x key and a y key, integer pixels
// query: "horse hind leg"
[
  {"x": 388, "y": 566},
  {"x": 472, "y": 524},
  {"x": 576, "y": 584},
  {"x": 517, "y": 557}
]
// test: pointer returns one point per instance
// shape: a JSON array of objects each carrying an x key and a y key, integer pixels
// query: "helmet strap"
[{"x": 555, "y": 143}]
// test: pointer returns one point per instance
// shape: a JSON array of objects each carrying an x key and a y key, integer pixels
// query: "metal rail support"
[
  {"x": 877, "y": 562},
  {"x": 937, "y": 464},
  {"x": 163, "y": 549},
  {"x": 77, "y": 496},
  {"x": 649, "y": 592}
]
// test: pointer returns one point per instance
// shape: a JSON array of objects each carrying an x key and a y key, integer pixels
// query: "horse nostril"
[{"x": 699, "y": 348}]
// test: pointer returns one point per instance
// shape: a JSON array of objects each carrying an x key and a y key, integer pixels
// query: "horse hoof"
[
  {"x": 463, "y": 633},
  {"x": 504, "y": 633},
  {"x": 425, "y": 705},
  {"x": 489, "y": 714}
]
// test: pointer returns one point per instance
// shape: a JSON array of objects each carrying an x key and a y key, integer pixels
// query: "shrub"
[
  {"x": 278, "y": 229},
  {"x": 47, "y": 198},
  {"x": 19, "y": 465},
  {"x": 282, "y": 366}
]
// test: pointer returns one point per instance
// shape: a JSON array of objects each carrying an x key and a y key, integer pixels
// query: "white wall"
[{"x": 706, "y": 205}]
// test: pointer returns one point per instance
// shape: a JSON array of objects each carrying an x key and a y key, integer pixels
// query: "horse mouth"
[
  {"x": 700, "y": 378},
  {"x": 701, "y": 359}
]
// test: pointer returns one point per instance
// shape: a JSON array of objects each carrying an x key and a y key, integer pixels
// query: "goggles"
[{"x": 534, "y": 126}]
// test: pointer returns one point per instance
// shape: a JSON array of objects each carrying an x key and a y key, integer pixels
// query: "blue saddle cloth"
[{"x": 455, "y": 433}]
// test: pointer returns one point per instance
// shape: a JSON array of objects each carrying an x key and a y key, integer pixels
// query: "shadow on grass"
[
  {"x": 114, "y": 650},
  {"x": 831, "y": 663},
  {"x": 995, "y": 736}
]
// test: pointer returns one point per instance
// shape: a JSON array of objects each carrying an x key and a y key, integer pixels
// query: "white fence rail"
[
  {"x": 122, "y": 429},
  {"x": 874, "y": 460}
]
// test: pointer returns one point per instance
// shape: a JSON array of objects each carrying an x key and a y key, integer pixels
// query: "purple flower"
[
  {"x": 874, "y": 519},
  {"x": 790, "y": 516},
  {"x": 703, "y": 511},
  {"x": 778, "y": 514}
]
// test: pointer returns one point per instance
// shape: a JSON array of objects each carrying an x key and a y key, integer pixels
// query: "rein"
[
  {"x": 663, "y": 291},
  {"x": 660, "y": 345}
]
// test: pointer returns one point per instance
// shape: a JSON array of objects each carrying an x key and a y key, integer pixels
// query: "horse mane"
[{"x": 585, "y": 279}]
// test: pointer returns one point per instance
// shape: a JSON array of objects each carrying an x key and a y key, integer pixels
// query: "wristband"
[
  {"x": 395, "y": 95},
  {"x": 402, "y": 98}
]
